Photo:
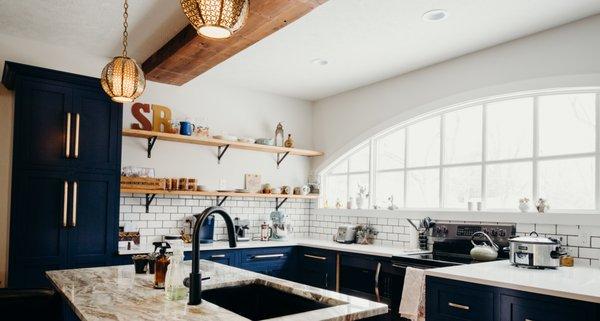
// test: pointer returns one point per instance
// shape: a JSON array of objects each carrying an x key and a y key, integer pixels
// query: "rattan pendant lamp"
[
  {"x": 123, "y": 79},
  {"x": 218, "y": 19}
]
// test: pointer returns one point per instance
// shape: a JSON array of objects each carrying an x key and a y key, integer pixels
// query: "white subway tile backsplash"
[{"x": 168, "y": 214}]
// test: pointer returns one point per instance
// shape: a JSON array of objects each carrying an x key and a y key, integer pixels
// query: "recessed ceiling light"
[
  {"x": 319, "y": 61},
  {"x": 435, "y": 15}
]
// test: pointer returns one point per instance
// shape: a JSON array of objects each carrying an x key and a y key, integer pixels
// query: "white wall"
[
  {"x": 566, "y": 56},
  {"x": 227, "y": 109}
]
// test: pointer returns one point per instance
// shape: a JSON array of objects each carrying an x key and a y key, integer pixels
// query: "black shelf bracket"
[
  {"x": 222, "y": 150},
  {"x": 221, "y": 201},
  {"x": 278, "y": 204},
  {"x": 281, "y": 158},
  {"x": 151, "y": 141},
  {"x": 149, "y": 199}
]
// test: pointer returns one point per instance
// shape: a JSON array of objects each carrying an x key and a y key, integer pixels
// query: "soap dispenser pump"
[
  {"x": 174, "y": 286},
  {"x": 161, "y": 264}
]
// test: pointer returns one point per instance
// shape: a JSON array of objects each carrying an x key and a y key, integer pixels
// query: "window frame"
[{"x": 484, "y": 162}]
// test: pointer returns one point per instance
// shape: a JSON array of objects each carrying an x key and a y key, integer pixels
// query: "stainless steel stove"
[{"x": 452, "y": 243}]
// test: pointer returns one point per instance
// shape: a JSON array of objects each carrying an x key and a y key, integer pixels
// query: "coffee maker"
[{"x": 241, "y": 227}]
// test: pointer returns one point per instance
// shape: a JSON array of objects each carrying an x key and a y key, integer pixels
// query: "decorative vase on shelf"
[
  {"x": 289, "y": 142},
  {"x": 524, "y": 205},
  {"x": 542, "y": 205}
]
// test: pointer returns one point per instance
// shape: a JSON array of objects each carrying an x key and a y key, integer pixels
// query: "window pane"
[
  {"x": 567, "y": 124},
  {"x": 422, "y": 188},
  {"x": 568, "y": 183},
  {"x": 424, "y": 143},
  {"x": 359, "y": 161},
  {"x": 390, "y": 151},
  {"x": 390, "y": 184},
  {"x": 461, "y": 184},
  {"x": 357, "y": 181},
  {"x": 509, "y": 129},
  {"x": 462, "y": 136},
  {"x": 341, "y": 168},
  {"x": 337, "y": 190},
  {"x": 507, "y": 183}
]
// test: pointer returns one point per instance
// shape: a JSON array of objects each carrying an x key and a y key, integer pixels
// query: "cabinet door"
[
  {"x": 526, "y": 306},
  {"x": 97, "y": 125},
  {"x": 38, "y": 243},
  {"x": 93, "y": 223},
  {"x": 42, "y": 128},
  {"x": 317, "y": 268}
]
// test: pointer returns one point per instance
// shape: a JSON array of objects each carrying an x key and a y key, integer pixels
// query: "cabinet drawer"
[
  {"x": 451, "y": 300},
  {"x": 519, "y": 308},
  {"x": 222, "y": 256},
  {"x": 266, "y": 259}
]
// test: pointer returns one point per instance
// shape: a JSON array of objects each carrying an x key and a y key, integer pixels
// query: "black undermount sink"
[{"x": 256, "y": 301}]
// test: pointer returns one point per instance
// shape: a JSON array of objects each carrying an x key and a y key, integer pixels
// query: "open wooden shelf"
[
  {"x": 221, "y": 196},
  {"x": 223, "y": 145}
]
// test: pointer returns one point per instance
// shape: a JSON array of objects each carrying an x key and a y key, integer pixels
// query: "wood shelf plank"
[
  {"x": 218, "y": 142},
  {"x": 220, "y": 194}
]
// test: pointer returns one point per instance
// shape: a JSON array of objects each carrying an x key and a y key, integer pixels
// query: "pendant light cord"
[{"x": 125, "y": 34}]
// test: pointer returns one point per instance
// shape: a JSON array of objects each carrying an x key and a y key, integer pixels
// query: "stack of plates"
[
  {"x": 242, "y": 190},
  {"x": 230, "y": 138}
]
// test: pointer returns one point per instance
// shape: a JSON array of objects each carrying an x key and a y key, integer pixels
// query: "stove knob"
[
  {"x": 494, "y": 233},
  {"x": 502, "y": 233},
  {"x": 445, "y": 230}
]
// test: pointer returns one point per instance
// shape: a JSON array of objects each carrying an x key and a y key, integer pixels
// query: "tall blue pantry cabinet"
[{"x": 65, "y": 174}]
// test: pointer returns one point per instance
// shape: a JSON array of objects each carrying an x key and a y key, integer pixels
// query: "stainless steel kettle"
[{"x": 483, "y": 252}]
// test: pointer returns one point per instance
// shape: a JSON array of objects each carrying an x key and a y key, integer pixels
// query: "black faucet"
[{"x": 195, "y": 277}]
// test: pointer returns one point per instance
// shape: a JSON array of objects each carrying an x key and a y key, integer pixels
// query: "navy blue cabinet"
[
  {"x": 519, "y": 306},
  {"x": 317, "y": 267},
  {"x": 66, "y": 170},
  {"x": 452, "y": 300},
  {"x": 463, "y": 301},
  {"x": 276, "y": 261},
  {"x": 226, "y": 257}
]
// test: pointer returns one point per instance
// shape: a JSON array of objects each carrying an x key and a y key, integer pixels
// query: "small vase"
[
  {"x": 360, "y": 202},
  {"x": 524, "y": 207}
]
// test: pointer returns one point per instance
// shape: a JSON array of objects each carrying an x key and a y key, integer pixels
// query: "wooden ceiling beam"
[{"x": 188, "y": 55}]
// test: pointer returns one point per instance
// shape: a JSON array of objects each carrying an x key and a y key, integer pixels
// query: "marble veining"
[{"x": 116, "y": 293}]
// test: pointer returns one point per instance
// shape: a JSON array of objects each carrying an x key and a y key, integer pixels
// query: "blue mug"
[{"x": 186, "y": 128}]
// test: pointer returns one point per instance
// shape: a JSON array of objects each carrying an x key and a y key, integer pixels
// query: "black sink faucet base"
[{"x": 195, "y": 280}]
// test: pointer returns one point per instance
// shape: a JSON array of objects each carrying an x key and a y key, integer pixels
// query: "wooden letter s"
[{"x": 136, "y": 111}]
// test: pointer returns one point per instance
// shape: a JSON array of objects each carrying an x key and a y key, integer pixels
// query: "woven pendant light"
[
  {"x": 123, "y": 79},
  {"x": 216, "y": 18}
]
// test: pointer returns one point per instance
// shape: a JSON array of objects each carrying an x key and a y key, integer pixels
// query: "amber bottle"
[{"x": 161, "y": 263}]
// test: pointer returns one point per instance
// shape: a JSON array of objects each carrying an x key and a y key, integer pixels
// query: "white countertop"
[
  {"x": 578, "y": 283},
  {"x": 384, "y": 251}
]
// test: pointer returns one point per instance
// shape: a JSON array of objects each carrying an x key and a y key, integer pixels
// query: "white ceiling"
[{"x": 364, "y": 41}]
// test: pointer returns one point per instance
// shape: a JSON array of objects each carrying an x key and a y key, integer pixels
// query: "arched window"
[{"x": 495, "y": 151}]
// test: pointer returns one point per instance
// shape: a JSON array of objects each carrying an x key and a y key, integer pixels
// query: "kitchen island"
[{"x": 117, "y": 293}]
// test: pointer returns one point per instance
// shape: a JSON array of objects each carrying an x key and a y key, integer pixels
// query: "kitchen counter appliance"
[
  {"x": 535, "y": 252},
  {"x": 346, "y": 234}
]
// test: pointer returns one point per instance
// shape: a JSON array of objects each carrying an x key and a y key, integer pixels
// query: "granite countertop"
[
  {"x": 385, "y": 251},
  {"x": 578, "y": 282},
  {"x": 117, "y": 293}
]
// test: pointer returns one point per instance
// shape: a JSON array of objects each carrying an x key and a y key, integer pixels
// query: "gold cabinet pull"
[
  {"x": 74, "y": 217},
  {"x": 68, "y": 139},
  {"x": 458, "y": 306},
  {"x": 65, "y": 201},
  {"x": 76, "y": 152},
  {"x": 322, "y": 258}
]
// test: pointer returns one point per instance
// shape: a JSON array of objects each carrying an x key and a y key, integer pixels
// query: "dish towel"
[{"x": 412, "y": 304}]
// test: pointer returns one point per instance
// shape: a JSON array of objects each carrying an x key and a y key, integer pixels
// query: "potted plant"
[{"x": 365, "y": 234}]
